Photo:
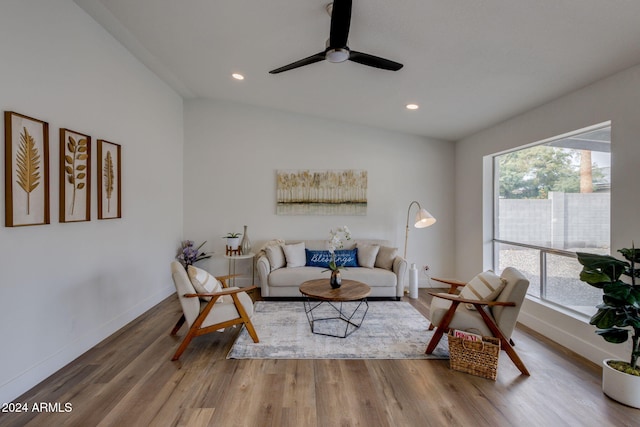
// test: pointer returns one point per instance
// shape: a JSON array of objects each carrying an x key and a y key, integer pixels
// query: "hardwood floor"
[{"x": 129, "y": 380}]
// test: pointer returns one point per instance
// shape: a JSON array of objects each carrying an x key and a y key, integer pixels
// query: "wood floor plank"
[{"x": 128, "y": 379}]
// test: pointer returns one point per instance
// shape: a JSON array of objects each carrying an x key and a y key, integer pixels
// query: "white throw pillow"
[
  {"x": 486, "y": 286},
  {"x": 275, "y": 256},
  {"x": 295, "y": 255},
  {"x": 367, "y": 255},
  {"x": 385, "y": 257},
  {"x": 204, "y": 283}
]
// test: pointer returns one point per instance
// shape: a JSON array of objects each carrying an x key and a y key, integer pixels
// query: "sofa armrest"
[
  {"x": 264, "y": 268},
  {"x": 400, "y": 269}
]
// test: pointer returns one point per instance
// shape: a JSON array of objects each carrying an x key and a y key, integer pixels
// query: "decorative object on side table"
[
  {"x": 335, "y": 242},
  {"x": 233, "y": 244},
  {"x": 188, "y": 255},
  {"x": 245, "y": 244},
  {"x": 617, "y": 316}
]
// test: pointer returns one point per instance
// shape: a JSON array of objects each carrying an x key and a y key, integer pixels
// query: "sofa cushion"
[
  {"x": 486, "y": 286},
  {"x": 295, "y": 255},
  {"x": 317, "y": 258},
  {"x": 385, "y": 257},
  {"x": 347, "y": 257},
  {"x": 294, "y": 277},
  {"x": 204, "y": 283},
  {"x": 367, "y": 255},
  {"x": 275, "y": 255}
]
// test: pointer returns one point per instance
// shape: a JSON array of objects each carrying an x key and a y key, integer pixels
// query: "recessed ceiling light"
[
  {"x": 412, "y": 106},
  {"x": 237, "y": 76}
]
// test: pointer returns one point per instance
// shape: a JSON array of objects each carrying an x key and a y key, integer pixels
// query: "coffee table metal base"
[{"x": 338, "y": 313}]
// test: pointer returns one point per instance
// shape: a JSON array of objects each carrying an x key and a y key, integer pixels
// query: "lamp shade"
[{"x": 424, "y": 219}]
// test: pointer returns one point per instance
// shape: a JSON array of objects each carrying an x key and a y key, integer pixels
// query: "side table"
[{"x": 232, "y": 265}]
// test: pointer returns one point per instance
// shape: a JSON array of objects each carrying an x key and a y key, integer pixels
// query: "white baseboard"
[{"x": 50, "y": 364}]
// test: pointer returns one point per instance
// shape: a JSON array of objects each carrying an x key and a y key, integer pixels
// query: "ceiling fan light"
[{"x": 337, "y": 55}]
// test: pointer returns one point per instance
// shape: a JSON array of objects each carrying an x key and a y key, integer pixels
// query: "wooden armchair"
[
  {"x": 209, "y": 316},
  {"x": 493, "y": 318}
]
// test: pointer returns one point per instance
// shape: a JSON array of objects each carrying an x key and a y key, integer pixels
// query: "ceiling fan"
[{"x": 337, "y": 49}]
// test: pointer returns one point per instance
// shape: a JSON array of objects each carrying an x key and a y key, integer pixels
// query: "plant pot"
[
  {"x": 619, "y": 386},
  {"x": 233, "y": 243}
]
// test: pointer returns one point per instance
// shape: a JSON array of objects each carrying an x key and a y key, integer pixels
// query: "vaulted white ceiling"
[{"x": 468, "y": 63}]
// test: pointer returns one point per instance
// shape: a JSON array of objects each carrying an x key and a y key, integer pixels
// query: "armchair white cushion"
[
  {"x": 204, "y": 317},
  {"x": 204, "y": 283},
  {"x": 496, "y": 318}
]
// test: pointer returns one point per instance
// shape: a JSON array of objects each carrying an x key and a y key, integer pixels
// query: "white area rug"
[{"x": 391, "y": 330}]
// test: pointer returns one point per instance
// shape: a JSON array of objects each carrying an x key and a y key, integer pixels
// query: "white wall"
[
  {"x": 232, "y": 153},
  {"x": 616, "y": 98},
  {"x": 65, "y": 287}
]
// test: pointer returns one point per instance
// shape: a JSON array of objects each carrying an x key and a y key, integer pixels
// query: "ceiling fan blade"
[
  {"x": 374, "y": 61},
  {"x": 340, "y": 22},
  {"x": 301, "y": 63}
]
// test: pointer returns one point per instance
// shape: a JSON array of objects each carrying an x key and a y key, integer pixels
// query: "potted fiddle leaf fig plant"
[{"x": 617, "y": 318}]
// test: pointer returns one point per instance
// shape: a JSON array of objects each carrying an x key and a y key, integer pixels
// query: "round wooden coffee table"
[{"x": 329, "y": 310}]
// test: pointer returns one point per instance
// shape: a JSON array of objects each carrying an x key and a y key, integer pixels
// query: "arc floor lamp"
[{"x": 423, "y": 219}]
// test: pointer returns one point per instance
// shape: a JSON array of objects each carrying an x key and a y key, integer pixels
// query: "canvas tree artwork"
[
  {"x": 26, "y": 170},
  {"x": 75, "y": 176},
  {"x": 321, "y": 192},
  {"x": 109, "y": 180}
]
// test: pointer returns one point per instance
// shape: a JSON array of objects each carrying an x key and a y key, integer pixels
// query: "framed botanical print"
[
  {"x": 26, "y": 152},
  {"x": 109, "y": 180},
  {"x": 75, "y": 176}
]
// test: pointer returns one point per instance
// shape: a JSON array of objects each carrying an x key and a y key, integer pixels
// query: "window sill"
[{"x": 575, "y": 314}]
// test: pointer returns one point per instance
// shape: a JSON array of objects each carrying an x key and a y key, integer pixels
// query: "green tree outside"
[{"x": 534, "y": 172}]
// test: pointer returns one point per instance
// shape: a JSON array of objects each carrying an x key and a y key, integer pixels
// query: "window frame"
[{"x": 542, "y": 250}]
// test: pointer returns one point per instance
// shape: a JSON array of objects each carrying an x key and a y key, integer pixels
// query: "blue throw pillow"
[
  {"x": 347, "y": 257},
  {"x": 318, "y": 258},
  {"x": 344, "y": 258}
]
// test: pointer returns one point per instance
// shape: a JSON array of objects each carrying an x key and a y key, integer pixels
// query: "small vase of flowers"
[
  {"x": 335, "y": 242},
  {"x": 188, "y": 254}
]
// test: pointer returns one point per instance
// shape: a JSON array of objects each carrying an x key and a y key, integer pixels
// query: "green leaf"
[
  {"x": 614, "y": 335},
  {"x": 604, "y": 318},
  {"x": 634, "y": 297},
  {"x": 594, "y": 278},
  {"x": 630, "y": 254},
  {"x": 606, "y": 264},
  {"x": 618, "y": 290}
]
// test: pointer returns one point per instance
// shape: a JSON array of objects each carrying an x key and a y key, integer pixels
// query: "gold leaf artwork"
[
  {"x": 75, "y": 164},
  {"x": 108, "y": 178},
  {"x": 27, "y": 165}
]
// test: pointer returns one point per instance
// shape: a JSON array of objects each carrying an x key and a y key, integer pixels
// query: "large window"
[{"x": 551, "y": 201}]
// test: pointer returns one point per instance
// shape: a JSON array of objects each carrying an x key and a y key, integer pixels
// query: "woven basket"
[{"x": 474, "y": 357}]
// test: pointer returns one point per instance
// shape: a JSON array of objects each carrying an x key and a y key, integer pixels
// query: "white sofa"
[{"x": 386, "y": 278}]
